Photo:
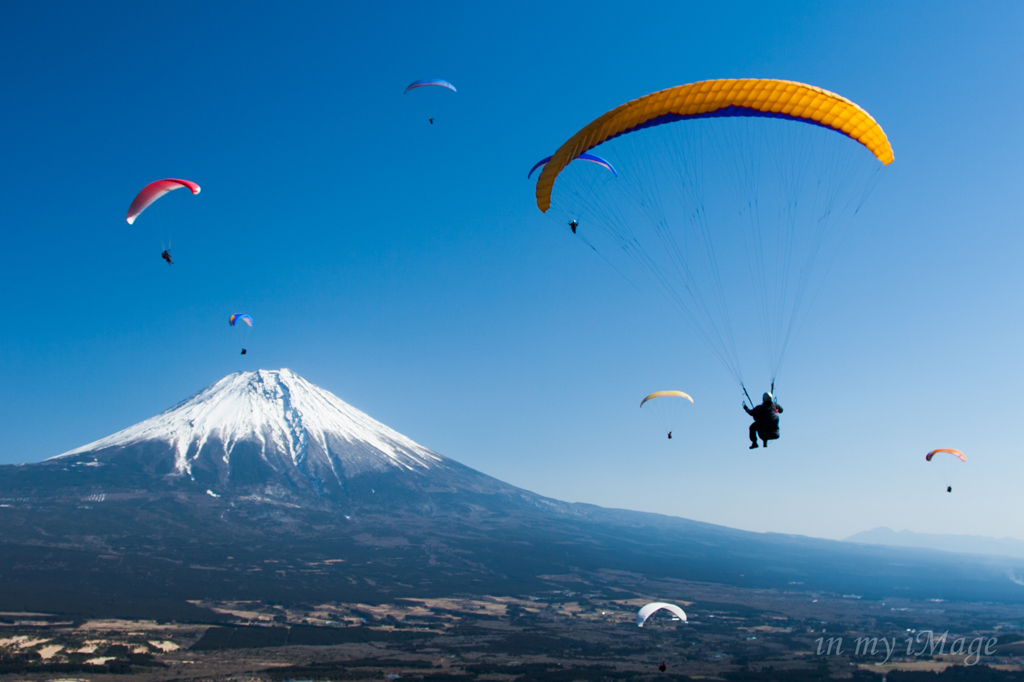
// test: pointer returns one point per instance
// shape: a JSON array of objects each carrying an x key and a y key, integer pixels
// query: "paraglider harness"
[{"x": 166, "y": 255}]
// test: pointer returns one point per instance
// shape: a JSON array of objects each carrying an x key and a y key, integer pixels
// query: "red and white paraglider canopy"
[{"x": 154, "y": 191}]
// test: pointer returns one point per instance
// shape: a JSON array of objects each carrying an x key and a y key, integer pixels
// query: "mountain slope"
[
  {"x": 274, "y": 435},
  {"x": 263, "y": 486},
  {"x": 293, "y": 423}
]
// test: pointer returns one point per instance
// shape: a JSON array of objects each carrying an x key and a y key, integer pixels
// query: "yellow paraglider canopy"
[
  {"x": 665, "y": 394},
  {"x": 714, "y": 98}
]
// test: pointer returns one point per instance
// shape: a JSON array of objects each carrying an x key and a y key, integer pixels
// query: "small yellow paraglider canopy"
[{"x": 665, "y": 394}]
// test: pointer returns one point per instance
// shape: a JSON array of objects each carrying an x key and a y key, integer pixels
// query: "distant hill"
[{"x": 962, "y": 544}]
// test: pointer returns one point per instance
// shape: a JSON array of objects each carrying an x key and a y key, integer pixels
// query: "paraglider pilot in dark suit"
[{"x": 766, "y": 420}]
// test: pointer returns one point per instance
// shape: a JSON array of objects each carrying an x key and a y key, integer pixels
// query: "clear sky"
[{"x": 405, "y": 267}]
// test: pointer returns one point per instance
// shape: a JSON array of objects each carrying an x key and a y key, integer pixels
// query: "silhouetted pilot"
[{"x": 766, "y": 420}]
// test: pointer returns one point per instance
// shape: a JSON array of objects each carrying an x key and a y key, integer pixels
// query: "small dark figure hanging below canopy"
[{"x": 243, "y": 324}]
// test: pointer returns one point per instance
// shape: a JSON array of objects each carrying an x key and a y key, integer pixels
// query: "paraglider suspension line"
[{"x": 748, "y": 395}]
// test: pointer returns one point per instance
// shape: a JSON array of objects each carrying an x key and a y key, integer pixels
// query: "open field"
[{"x": 567, "y": 633}]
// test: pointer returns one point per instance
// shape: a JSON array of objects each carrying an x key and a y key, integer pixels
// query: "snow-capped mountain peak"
[{"x": 283, "y": 419}]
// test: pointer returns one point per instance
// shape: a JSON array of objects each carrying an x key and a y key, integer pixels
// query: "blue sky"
[{"x": 406, "y": 268}]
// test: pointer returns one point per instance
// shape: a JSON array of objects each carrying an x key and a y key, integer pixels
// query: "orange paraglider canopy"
[
  {"x": 956, "y": 453},
  {"x": 721, "y": 98}
]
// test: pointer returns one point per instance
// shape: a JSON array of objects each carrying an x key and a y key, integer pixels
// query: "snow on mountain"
[{"x": 282, "y": 419}]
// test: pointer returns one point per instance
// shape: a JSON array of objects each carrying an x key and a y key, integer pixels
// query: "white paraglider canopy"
[{"x": 644, "y": 613}]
